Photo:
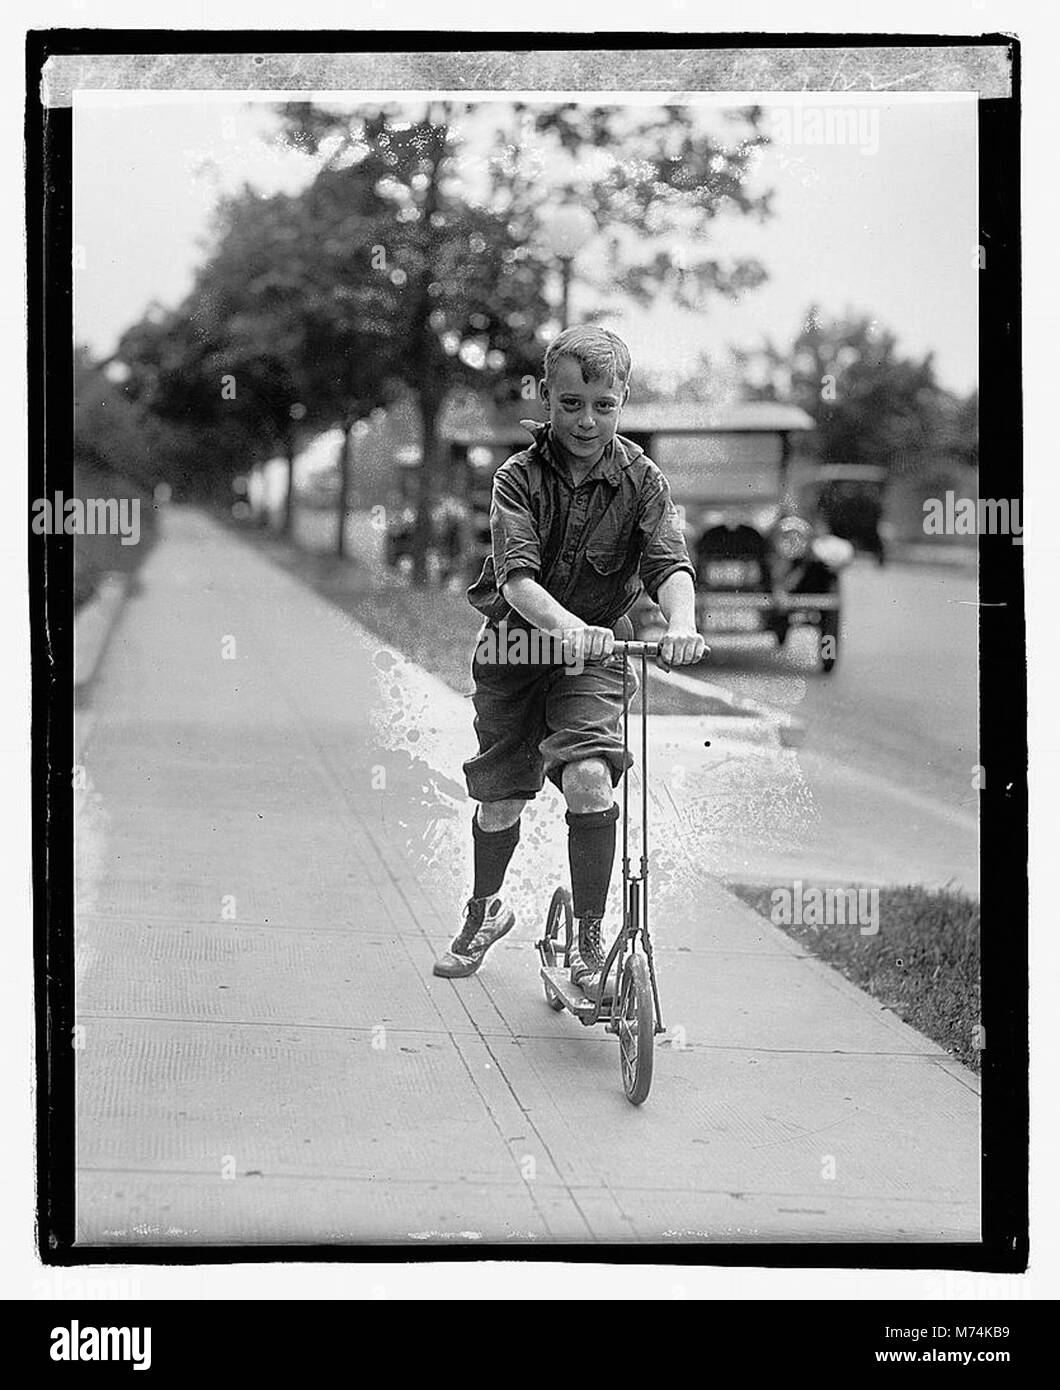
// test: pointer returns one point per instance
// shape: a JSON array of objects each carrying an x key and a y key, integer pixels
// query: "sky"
[{"x": 874, "y": 199}]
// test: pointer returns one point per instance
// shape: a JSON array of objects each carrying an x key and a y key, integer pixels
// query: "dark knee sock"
[
  {"x": 493, "y": 852},
  {"x": 591, "y": 847}
]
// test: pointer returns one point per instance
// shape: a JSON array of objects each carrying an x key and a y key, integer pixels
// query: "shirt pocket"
[{"x": 605, "y": 561}]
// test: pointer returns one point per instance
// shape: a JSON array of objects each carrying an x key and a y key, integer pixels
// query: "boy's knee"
[
  {"x": 499, "y": 815},
  {"x": 587, "y": 785}
]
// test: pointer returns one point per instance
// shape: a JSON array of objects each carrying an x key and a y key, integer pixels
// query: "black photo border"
[{"x": 1002, "y": 644}]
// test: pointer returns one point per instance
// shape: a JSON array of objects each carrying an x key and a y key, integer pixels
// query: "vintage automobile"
[
  {"x": 848, "y": 498},
  {"x": 762, "y": 565}
]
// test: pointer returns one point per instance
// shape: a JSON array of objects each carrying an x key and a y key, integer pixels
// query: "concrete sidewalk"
[{"x": 273, "y": 849}]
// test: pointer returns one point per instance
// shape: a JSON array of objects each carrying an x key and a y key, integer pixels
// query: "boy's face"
[{"x": 583, "y": 414}]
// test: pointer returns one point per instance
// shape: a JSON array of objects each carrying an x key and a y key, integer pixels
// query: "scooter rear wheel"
[
  {"x": 554, "y": 950},
  {"x": 635, "y": 1014}
]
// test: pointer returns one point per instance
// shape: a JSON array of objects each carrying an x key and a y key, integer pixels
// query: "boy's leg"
[
  {"x": 486, "y": 918},
  {"x": 584, "y": 757},
  {"x": 502, "y": 776},
  {"x": 591, "y": 817},
  {"x": 495, "y": 834},
  {"x": 591, "y": 820}
]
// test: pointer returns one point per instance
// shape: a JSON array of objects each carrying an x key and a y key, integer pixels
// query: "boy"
[{"x": 580, "y": 521}]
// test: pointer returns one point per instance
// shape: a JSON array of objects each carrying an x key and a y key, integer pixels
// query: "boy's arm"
[
  {"x": 682, "y": 645},
  {"x": 533, "y": 602},
  {"x": 513, "y": 532},
  {"x": 666, "y": 572}
]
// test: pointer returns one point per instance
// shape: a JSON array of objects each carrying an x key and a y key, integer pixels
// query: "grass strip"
[{"x": 923, "y": 962}]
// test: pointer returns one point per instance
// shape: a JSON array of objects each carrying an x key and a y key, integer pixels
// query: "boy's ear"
[{"x": 542, "y": 389}]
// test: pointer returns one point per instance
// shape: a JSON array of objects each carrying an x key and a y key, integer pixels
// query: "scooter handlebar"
[{"x": 624, "y": 648}]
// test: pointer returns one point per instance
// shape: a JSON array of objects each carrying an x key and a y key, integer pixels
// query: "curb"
[
  {"x": 751, "y": 728},
  {"x": 93, "y": 627},
  {"x": 844, "y": 986},
  {"x": 738, "y": 711}
]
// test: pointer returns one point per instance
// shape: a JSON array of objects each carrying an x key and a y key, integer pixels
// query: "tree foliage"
[
  {"x": 418, "y": 258},
  {"x": 870, "y": 403}
]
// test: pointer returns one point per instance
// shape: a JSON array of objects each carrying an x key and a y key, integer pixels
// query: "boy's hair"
[{"x": 599, "y": 352}]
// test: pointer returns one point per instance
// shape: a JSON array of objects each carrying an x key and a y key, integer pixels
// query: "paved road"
[
  {"x": 271, "y": 852},
  {"x": 884, "y": 776},
  {"x": 902, "y": 702}
]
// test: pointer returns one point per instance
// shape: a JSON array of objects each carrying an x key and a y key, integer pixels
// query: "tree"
[
  {"x": 656, "y": 179},
  {"x": 460, "y": 230},
  {"x": 469, "y": 298},
  {"x": 249, "y": 308},
  {"x": 350, "y": 352},
  {"x": 869, "y": 403},
  {"x": 287, "y": 330},
  {"x": 174, "y": 378},
  {"x": 111, "y": 431}
]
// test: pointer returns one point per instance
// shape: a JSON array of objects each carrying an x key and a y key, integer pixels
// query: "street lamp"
[{"x": 567, "y": 228}]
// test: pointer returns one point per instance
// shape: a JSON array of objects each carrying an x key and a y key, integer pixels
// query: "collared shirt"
[{"x": 593, "y": 546}]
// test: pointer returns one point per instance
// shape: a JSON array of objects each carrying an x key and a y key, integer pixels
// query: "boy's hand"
[
  {"x": 582, "y": 644},
  {"x": 681, "y": 647}
]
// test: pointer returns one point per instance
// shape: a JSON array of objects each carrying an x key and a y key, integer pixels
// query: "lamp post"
[{"x": 567, "y": 228}]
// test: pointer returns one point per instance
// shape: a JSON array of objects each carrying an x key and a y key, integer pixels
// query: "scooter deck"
[{"x": 573, "y": 998}]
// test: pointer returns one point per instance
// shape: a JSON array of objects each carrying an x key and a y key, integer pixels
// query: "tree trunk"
[
  {"x": 288, "y": 508},
  {"x": 423, "y": 531},
  {"x": 435, "y": 129},
  {"x": 344, "y": 484}
]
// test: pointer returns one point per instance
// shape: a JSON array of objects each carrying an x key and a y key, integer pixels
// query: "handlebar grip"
[{"x": 637, "y": 648}]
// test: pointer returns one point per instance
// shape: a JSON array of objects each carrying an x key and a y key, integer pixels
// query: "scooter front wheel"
[
  {"x": 635, "y": 1013},
  {"x": 555, "y": 951}
]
